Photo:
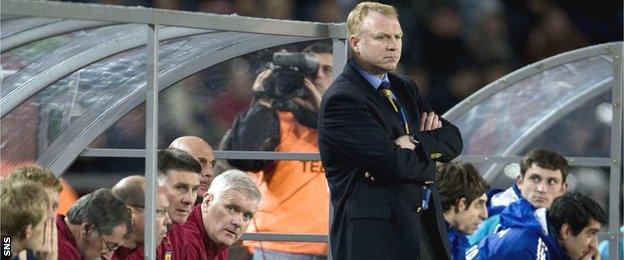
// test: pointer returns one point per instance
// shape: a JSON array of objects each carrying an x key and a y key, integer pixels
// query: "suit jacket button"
[{"x": 418, "y": 209}]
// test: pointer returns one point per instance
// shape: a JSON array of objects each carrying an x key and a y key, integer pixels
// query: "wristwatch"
[{"x": 413, "y": 140}]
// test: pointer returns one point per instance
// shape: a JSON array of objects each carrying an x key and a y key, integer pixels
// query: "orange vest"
[{"x": 295, "y": 198}]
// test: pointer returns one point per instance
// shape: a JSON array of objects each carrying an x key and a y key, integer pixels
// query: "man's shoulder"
[
  {"x": 510, "y": 243},
  {"x": 194, "y": 218},
  {"x": 486, "y": 228},
  {"x": 129, "y": 254},
  {"x": 518, "y": 236},
  {"x": 343, "y": 81},
  {"x": 66, "y": 245},
  {"x": 398, "y": 76},
  {"x": 67, "y": 250}
]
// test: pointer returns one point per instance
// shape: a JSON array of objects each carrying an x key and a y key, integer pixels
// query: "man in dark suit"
[{"x": 379, "y": 145}]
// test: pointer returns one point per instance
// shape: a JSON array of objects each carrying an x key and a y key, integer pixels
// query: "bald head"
[
  {"x": 202, "y": 151},
  {"x": 131, "y": 190},
  {"x": 193, "y": 145}
]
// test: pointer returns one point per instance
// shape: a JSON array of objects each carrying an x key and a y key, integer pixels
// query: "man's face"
[
  {"x": 162, "y": 217},
  {"x": 181, "y": 187},
  {"x": 138, "y": 220},
  {"x": 101, "y": 246},
  {"x": 583, "y": 244},
  {"x": 377, "y": 48},
  {"x": 204, "y": 154},
  {"x": 227, "y": 217},
  {"x": 541, "y": 186},
  {"x": 471, "y": 217},
  {"x": 324, "y": 74}
]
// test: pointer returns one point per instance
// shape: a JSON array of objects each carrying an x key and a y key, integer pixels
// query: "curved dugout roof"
[
  {"x": 98, "y": 76},
  {"x": 65, "y": 80},
  {"x": 562, "y": 103}
]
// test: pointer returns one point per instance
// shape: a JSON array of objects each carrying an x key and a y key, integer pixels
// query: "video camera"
[{"x": 289, "y": 69}]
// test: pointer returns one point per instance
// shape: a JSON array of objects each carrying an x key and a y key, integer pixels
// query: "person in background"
[
  {"x": 178, "y": 174},
  {"x": 568, "y": 230},
  {"x": 26, "y": 219},
  {"x": 462, "y": 192},
  {"x": 51, "y": 185},
  {"x": 223, "y": 216},
  {"x": 95, "y": 226},
  {"x": 44, "y": 178},
  {"x": 131, "y": 190},
  {"x": 286, "y": 122},
  {"x": 542, "y": 178},
  {"x": 202, "y": 151}
]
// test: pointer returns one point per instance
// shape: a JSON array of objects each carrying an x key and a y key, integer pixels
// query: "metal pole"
[
  {"x": 151, "y": 141},
  {"x": 617, "y": 144}
]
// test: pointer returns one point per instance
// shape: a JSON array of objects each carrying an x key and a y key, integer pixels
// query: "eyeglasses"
[{"x": 110, "y": 246}]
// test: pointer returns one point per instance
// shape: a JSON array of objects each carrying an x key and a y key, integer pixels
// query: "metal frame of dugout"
[{"x": 54, "y": 18}]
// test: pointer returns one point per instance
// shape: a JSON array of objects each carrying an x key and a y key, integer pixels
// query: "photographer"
[{"x": 283, "y": 119}]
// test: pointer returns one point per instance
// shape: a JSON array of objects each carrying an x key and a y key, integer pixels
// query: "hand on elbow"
[{"x": 404, "y": 142}]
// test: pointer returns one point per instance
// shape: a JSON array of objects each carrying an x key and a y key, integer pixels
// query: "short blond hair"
[
  {"x": 41, "y": 176},
  {"x": 357, "y": 15},
  {"x": 22, "y": 204}
]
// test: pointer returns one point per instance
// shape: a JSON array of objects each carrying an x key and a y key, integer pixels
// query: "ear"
[
  {"x": 564, "y": 188},
  {"x": 208, "y": 197},
  {"x": 565, "y": 231},
  {"x": 27, "y": 232},
  {"x": 519, "y": 180},
  {"x": 461, "y": 204},
  {"x": 354, "y": 41},
  {"x": 86, "y": 228}
]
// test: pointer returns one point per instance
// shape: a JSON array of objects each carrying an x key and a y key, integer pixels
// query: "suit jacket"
[{"x": 380, "y": 218}]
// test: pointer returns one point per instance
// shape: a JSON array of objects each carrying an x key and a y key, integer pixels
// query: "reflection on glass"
[
  {"x": 493, "y": 125},
  {"x": 580, "y": 133},
  {"x": 204, "y": 104}
]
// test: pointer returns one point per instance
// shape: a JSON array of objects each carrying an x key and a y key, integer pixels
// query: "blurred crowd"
[{"x": 452, "y": 48}]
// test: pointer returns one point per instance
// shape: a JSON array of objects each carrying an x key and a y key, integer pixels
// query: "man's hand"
[
  {"x": 313, "y": 103},
  {"x": 429, "y": 121},
  {"x": 258, "y": 86},
  {"x": 404, "y": 142},
  {"x": 49, "y": 248},
  {"x": 592, "y": 254}
]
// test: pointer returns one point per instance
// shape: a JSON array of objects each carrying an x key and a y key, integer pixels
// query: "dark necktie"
[{"x": 387, "y": 92}]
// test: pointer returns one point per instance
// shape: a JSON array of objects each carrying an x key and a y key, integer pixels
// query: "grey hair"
[{"x": 235, "y": 180}]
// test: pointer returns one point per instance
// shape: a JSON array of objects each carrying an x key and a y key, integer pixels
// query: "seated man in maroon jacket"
[
  {"x": 178, "y": 174},
  {"x": 131, "y": 190},
  {"x": 223, "y": 216},
  {"x": 95, "y": 226}
]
